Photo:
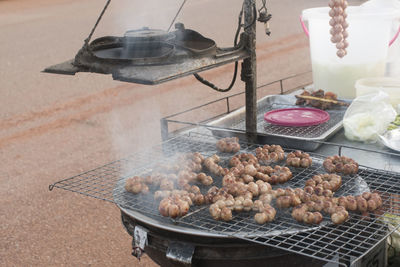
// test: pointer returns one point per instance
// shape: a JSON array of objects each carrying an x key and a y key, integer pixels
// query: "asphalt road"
[{"x": 53, "y": 126}]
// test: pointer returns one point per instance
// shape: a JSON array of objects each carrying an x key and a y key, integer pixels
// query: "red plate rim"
[{"x": 323, "y": 116}]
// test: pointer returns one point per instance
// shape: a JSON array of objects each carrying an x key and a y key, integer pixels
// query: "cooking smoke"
[
  {"x": 154, "y": 14},
  {"x": 139, "y": 126}
]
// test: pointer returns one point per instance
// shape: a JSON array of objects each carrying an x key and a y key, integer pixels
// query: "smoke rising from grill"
[
  {"x": 156, "y": 14},
  {"x": 138, "y": 133},
  {"x": 142, "y": 129}
]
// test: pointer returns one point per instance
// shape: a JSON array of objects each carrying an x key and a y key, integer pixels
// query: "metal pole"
[
  {"x": 249, "y": 68},
  {"x": 164, "y": 129}
]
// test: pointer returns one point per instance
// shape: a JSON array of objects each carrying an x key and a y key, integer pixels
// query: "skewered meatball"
[
  {"x": 339, "y": 217},
  {"x": 298, "y": 159},
  {"x": 253, "y": 188},
  {"x": 215, "y": 211},
  {"x": 270, "y": 153},
  {"x": 161, "y": 194},
  {"x": 362, "y": 204},
  {"x": 280, "y": 175},
  {"x": 284, "y": 201},
  {"x": 247, "y": 178},
  {"x": 262, "y": 176},
  {"x": 228, "y": 145},
  {"x": 340, "y": 164},
  {"x": 219, "y": 211},
  {"x": 244, "y": 159},
  {"x": 266, "y": 198},
  {"x": 211, "y": 164},
  {"x": 310, "y": 212},
  {"x": 173, "y": 207},
  {"x": 204, "y": 179},
  {"x": 305, "y": 214},
  {"x": 136, "y": 185},
  {"x": 266, "y": 215},
  {"x": 226, "y": 214},
  {"x": 199, "y": 199},
  {"x": 250, "y": 170},
  {"x": 261, "y": 217},
  {"x": 166, "y": 184}
]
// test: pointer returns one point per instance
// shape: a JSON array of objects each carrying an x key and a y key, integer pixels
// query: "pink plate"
[{"x": 296, "y": 116}]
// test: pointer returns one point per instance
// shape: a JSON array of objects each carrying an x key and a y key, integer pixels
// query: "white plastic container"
[
  {"x": 389, "y": 85},
  {"x": 393, "y": 60},
  {"x": 369, "y": 36}
]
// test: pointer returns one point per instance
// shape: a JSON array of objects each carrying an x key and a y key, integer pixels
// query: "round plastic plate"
[{"x": 296, "y": 117}]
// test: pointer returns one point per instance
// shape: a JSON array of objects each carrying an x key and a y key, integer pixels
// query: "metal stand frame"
[{"x": 249, "y": 69}]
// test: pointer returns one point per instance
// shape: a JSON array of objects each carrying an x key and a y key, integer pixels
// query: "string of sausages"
[{"x": 339, "y": 25}]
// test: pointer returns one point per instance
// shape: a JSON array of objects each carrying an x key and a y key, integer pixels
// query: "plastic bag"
[
  {"x": 368, "y": 116},
  {"x": 392, "y": 221}
]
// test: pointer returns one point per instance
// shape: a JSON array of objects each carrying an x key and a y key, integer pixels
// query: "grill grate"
[
  {"x": 312, "y": 132},
  {"x": 351, "y": 240}
]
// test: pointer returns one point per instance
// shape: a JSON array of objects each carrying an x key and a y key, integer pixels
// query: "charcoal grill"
[{"x": 346, "y": 244}]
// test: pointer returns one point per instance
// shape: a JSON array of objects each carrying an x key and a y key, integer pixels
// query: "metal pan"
[
  {"x": 305, "y": 138},
  {"x": 194, "y": 42}
]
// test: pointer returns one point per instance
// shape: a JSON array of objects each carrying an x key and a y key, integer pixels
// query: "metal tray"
[{"x": 305, "y": 138}]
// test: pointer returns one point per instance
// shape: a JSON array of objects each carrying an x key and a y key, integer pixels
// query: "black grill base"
[{"x": 210, "y": 252}]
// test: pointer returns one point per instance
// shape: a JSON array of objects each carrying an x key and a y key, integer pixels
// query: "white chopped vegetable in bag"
[{"x": 368, "y": 116}]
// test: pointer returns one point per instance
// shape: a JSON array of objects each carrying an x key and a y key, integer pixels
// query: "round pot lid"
[
  {"x": 147, "y": 35},
  {"x": 296, "y": 117}
]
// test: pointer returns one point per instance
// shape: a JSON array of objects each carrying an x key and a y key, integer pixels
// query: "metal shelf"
[{"x": 150, "y": 74}]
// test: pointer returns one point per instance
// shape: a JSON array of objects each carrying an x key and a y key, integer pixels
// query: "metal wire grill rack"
[{"x": 351, "y": 240}]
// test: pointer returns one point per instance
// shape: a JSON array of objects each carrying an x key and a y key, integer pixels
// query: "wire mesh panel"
[
  {"x": 317, "y": 132},
  {"x": 326, "y": 241},
  {"x": 312, "y": 132},
  {"x": 283, "y": 135}
]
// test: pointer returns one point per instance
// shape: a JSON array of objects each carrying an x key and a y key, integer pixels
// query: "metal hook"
[{"x": 264, "y": 17}]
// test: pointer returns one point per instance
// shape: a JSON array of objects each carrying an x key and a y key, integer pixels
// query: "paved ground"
[{"x": 53, "y": 127}]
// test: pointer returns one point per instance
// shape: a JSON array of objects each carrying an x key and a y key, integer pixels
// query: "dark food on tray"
[
  {"x": 246, "y": 187},
  {"x": 318, "y": 99},
  {"x": 298, "y": 159},
  {"x": 340, "y": 164},
  {"x": 228, "y": 145}
]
